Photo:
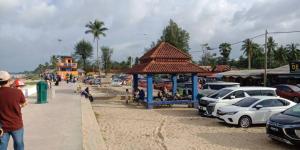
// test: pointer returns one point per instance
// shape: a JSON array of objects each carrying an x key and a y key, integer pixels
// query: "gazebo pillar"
[
  {"x": 174, "y": 84},
  {"x": 135, "y": 83},
  {"x": 195, "y": 90},
  {"x": 149, "y": 91}
]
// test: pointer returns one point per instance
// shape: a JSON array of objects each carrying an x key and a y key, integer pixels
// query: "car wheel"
[
  {"x": 296, "y": 99},
  {"x": 245, "y": 122}
]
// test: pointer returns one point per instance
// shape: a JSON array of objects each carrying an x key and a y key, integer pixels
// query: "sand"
[{"x": 132, "y": 127}]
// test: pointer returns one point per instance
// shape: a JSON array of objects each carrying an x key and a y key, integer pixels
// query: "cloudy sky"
[{"x": 29, "y": 29}]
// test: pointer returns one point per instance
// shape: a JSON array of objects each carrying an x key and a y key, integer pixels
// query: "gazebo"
[{"x": 164, "y": 58}]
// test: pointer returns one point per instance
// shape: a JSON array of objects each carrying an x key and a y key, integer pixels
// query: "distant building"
[{"x": 66, "y": 67}]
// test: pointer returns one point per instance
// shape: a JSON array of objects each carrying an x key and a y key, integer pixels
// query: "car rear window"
[{"x": 261, "y": 92}]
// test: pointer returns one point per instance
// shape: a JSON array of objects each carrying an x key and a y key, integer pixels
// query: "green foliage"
[
  {"x": 225, "y": 49},
  {"x": 106, "y": 58},
  {"x": 271, "y": 47},
  {"x": 136, "y": 61},
  {"x": 96, "y": 28},
  {"x": 249, "y": 48},
  {"x": 293, "y": 51},
  {"x": 84, "y": 49},
  {"x": 176, "y": 36}
]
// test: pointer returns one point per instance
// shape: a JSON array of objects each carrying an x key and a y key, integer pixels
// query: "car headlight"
[
  {"x": 297, "y": 132},
  {"x": 231, "y": 113}
]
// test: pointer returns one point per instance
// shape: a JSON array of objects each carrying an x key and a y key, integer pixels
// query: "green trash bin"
[{"x": 42, "y": 87}]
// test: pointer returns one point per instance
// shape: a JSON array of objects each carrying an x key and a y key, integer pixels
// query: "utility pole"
[{"x": 266, "y": 59}]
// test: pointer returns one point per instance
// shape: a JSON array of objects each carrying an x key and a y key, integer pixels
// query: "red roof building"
[{"x": 165, "y": 58}]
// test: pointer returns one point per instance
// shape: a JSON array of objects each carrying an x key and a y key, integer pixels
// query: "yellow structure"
[{"x": 66, "y": 67}]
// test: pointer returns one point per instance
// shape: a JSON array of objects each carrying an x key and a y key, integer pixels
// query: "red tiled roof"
[
  {"x": 166, "y": 67},
  {"x": 165, "y": 58},
  {"x": 165, "y": 50},
  {"x": 222, "y": 68}
]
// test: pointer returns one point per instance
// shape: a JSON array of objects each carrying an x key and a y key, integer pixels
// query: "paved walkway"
[{"x": 55, "y": 125}]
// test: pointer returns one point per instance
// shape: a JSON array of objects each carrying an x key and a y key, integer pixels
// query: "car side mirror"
[
  {"x": 232, "y": 97},
  {"x": 259, "y": 106}
]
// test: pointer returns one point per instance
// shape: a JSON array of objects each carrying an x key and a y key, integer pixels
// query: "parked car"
[
  {"x": 253, "y": 110},
  {"x": 208, "y": 105},
  {"x": 212, "y": 87},
  {"x": 291, "y": 92},
  {"x": 116, "y": 82},
  {"x": 285, "y": 126}
]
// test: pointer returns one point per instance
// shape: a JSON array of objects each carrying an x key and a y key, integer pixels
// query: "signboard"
[{"x": 295, "y": 67}]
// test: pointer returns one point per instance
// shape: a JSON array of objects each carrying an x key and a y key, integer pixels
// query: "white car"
[
  {"x": 253, "y": 110},
  {"x": 212, "y": 87},
  {"x": 227, "y": 96}
]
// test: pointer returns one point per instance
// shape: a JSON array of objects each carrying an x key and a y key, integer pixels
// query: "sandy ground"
[{"x": 132, "y": 127}]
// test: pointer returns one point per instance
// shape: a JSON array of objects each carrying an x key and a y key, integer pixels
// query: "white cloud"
[{"x": 33, "y": 26}]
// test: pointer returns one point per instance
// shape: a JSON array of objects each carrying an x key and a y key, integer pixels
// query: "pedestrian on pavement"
[{"x": 11, "y": 101}]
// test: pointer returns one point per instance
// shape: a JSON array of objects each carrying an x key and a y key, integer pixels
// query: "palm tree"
[
  {"x": 281, "y": 55},
  {"x": 97, "y": 29},
  {"x": 294, "y": 52},
  {"x": 248, "y": 48},
  {"x": 271, "y": 46},
  {"x": 225, "y": 49},
  {"x": 84, "y": 49}
]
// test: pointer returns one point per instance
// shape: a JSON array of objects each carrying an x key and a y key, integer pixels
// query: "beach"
[{"x": 132, "y": 127}]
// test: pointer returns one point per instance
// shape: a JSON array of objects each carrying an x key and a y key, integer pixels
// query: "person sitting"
[{"x": 141, "y": 96}]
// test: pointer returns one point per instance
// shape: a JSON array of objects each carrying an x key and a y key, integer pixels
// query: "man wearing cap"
[{"x": 11, "y": 101}]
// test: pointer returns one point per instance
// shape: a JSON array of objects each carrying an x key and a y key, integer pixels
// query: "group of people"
[
  {"x": 12, "y": 100},
  {"x": 138, "y": 95}
]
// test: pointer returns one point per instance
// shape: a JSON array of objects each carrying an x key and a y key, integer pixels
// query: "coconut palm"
[
  {"x": 225, "y": 49},
  {"x": 97, "y": 29},
  {"x": 294, "y": 52},
  {"x": 248, "y": 47},
  {"x": 271, "y": 47},
  {"x": 84, "y": 50},
  {"x": 281, "y": 55}
]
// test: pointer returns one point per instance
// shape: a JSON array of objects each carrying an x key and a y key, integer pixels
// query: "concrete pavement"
[{"x": 56, "y": 125}]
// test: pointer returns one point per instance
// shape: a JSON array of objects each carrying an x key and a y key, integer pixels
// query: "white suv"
[
  {"x": 212, "y": 87},
  {"x": 208, "y": 105}
]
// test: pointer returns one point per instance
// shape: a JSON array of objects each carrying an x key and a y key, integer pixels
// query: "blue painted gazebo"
[{"x": 164, "y": 58}]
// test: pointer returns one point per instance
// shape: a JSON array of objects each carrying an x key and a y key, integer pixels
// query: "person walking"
[{"x": 11, "y": 102}]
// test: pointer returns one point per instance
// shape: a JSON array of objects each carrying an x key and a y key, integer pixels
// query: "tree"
[
  {"x": 136, "y": 61},
  {"x": 129, "y": 61},
  {"x": 106, "y": 58},
  {"x": 248, "y": 47},
  {"x": 97, "y": 29},
  {"x": 281, "y": 56},
  {"x": 53, "y": 61},
  {"x": 85, "y": 50},
  {"x": 294, "y": 52},
  {"x": 225, "y": 49},
  {"x": 176, "y": 36},
  {"x": 271, "y": 47}
]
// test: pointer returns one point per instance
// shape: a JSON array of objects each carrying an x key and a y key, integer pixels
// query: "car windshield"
[
  {"x": 295, "y": 88},
  {"x": 246, "y": 102},
  {"x": 220, "y": 93},
  {"x": 294, "y": 111}
]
